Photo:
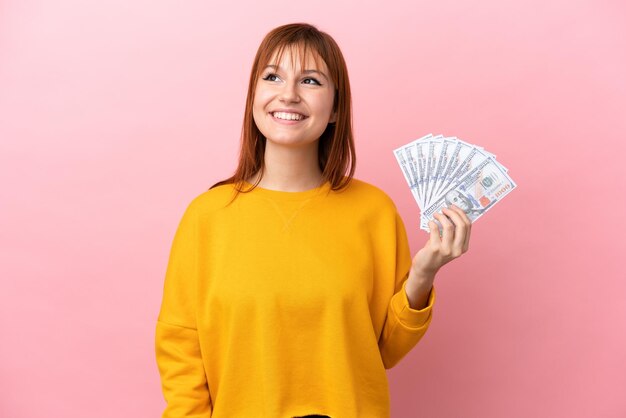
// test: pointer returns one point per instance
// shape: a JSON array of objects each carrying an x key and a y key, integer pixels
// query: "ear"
[{"x": 333, "y": 117}]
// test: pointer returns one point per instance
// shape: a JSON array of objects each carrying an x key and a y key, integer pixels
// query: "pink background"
[{"x": 115, "y": 114}]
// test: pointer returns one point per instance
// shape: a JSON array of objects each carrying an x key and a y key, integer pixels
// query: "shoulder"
[
  {"x": 365, "y": 200},
  {"x": 211, "y": 200},
  {"x": 369, "y": 193}
]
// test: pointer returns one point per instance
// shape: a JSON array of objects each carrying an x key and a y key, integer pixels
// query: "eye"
[
  {"x": 311, "y": 80},
  {"x": 271, "y": 77}
]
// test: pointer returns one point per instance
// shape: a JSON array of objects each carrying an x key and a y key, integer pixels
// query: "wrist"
[
  {"x": 418, "y": 290},
  {"x": 421, "y": 280}
]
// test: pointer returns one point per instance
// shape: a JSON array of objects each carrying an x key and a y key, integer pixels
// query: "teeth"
[{"x": 287, "y": 116}]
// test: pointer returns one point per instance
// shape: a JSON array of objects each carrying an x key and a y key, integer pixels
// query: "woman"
[{"x": 290, "y": 286}]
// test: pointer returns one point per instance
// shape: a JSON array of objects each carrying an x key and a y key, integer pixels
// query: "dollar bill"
[
  {"x": 411, "y": 158},
  {"x": 475, "y": 193},
  {"x": 442, "y": 151},
  {"x": 442, "y": 170},
  {"x": 434, "y": 147}
]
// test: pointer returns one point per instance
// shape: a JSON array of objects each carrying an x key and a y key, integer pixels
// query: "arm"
[
  {"x": 404, "y": 325},
  {"x": 178, "y": 354},
  {"x": 180, "y": 365},
  {"x": 410, "y": 310}
]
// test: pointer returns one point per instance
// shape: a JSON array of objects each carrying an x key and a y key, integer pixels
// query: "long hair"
[{"x": 336, "y": 153}]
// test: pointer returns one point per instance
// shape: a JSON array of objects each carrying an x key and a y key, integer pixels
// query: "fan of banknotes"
[{"x": 444, "y": 170}]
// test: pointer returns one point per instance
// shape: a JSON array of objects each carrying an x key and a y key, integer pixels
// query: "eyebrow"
[{"x": 303, "y": 72}]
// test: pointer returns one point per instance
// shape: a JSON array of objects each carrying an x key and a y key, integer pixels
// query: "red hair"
[{"x": 336, "y": 151}]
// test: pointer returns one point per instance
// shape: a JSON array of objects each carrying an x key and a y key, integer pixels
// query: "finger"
[
  {"x": 447, "y": 236},
  {"x": 459, "y": 231},
  {"x": 468, "y": 223},
  {"x": 467, "y": 238},
  {"x": 462, "y": 213},
  {"x": 434, "y": 232}
]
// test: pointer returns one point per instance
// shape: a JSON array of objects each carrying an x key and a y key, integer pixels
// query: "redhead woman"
[{"x": 290, "y": 286}]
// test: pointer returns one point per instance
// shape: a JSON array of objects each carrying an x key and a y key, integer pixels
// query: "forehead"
[{"x": 296, "y": 55}]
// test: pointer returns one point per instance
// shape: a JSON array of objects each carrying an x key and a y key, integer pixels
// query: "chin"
[{"x": 296, "y": 143}]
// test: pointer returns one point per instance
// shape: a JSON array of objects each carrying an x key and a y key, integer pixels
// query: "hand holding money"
[
  {"x": 438, "y": 251},
  {"x": 454, "y": 184}
]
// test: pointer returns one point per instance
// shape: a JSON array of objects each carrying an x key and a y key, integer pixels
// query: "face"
[
  {"x": 293, "y": 105},
  {"x": 455, "y": 197}
]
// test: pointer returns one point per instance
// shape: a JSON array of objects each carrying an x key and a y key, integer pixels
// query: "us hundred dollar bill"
[
  {"x": 475, "y": 192},
  {"x": 412, "y": 161}
]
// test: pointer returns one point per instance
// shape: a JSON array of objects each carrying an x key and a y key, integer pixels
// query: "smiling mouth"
[{"x": 288, "y": 116}]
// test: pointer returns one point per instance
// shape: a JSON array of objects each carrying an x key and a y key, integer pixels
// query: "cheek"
[
  {"x": 261, "y": 97},
  {"x": 257, "y": 111},
  {"x": 259, "y": 103},
  {"x": 324, "y": 105}
]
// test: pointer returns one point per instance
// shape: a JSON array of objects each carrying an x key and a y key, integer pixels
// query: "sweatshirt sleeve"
[
  {"x": 178, "y": 355},
  {"x": 404, "y": 326}
]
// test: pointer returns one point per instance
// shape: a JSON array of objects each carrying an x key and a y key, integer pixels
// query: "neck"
[{"x": 290, "y": 169}]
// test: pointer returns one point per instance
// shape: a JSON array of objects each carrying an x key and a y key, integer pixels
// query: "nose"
[{"x": 289, "y": 93}]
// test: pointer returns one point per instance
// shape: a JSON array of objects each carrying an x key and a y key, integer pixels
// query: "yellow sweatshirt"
[{"x": 284, "y": 304}]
